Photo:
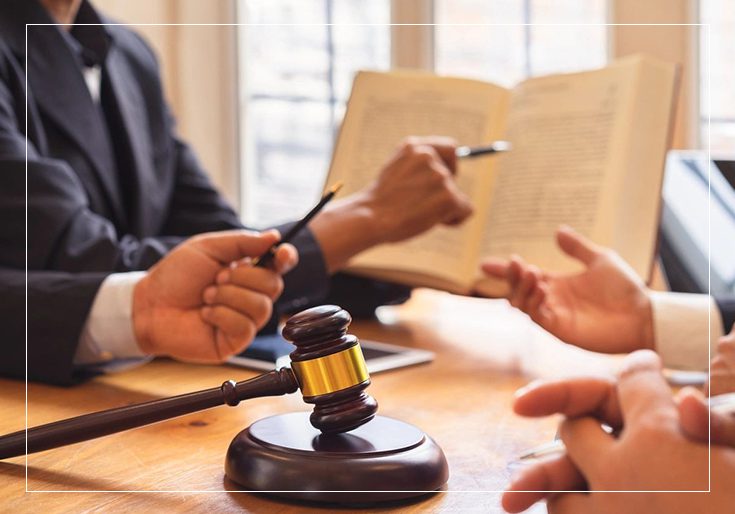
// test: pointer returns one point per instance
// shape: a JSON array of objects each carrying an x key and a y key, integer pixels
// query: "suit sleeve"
[{"x": 58, "y": 304}]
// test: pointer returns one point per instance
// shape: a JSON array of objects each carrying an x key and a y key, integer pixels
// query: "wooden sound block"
[{"x": 383, "y": 460}]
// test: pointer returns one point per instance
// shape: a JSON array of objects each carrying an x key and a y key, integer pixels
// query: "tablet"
[{"x": 271, "y": 352}]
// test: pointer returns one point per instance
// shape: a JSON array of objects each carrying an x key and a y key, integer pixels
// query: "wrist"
[
  {"x": 141, "y": 316},
  {"x": 346, "y": 228}
]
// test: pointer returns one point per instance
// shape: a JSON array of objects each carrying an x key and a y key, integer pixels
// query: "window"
[
  {"x": 295, "y": 79},
  {"x": 719, "y": 79},
  {"x": 512, "y": 50}
]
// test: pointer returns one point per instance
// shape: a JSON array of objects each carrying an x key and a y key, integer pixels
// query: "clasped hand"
[
  {"x": 204, "y": 302},
  {"x": 661, "y": 445}
]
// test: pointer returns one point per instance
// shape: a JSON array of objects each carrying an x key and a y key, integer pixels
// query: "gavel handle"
[{"x": 98, "y": 424}]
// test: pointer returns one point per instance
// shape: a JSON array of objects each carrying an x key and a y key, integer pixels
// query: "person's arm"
[
  {"x": 173, "y": 310},
  {"x": 58, "y": 305}
]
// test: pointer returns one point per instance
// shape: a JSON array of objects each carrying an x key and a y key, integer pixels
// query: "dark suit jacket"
[
  {"x": 80, "y": 228},
  {"x": 726, "y": 305}
]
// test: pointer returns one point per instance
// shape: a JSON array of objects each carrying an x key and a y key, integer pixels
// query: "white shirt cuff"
[
  {"x": 108, "y": 336},
  {"x": 683, "y": 327}
]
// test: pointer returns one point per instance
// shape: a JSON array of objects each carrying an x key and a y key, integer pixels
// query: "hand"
[
  {"x": 414, "y": 192},
  {"x": 416, "y": 189},
  {"x": 169, "y": 312},
  {"x": 697, "y": 420},
  {"x": 650, "y": 452},
  {"x": 722, "y": 368},
  {"x": 605, "y": 308}
]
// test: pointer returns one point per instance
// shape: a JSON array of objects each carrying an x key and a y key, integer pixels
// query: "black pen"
[
  {"x": 267, "y": 257},
  {"x": 476, "y": 151}
]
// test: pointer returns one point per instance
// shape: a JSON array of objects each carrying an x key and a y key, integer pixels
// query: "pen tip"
[
  {"x": 336, "y": 187},
  {"x": 502, "y": 146}
]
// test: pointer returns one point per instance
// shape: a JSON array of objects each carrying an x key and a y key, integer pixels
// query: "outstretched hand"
[{"x": 604, "y": 308}]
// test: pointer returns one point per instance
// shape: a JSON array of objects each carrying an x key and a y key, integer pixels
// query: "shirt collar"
[{"x": 89, "y": 40}]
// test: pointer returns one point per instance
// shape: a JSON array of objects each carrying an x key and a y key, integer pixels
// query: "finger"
[
  {"x": 262, "y": 280},
  {"x": 693, "y": 414},
  {"x": 463, "y": 211},
  {"x": 535, "y": 483},
  {"x": 587, "y": 444},
  {"x": 446, "y": 148},
  {"x": 535, "y": 301},
  {"x": 570, "y": 503},
  {"x": 232, "y": 245},
  {"x": 515, "y": 270},
  {"x": 461, "y": 208},
  {"x": 546, "y": 314},
  {"x": 526, "y": 285},
  {"x": 722, "y": 428},
  {"x": 495, "y": 267},
  {"x": 572, "y": 397},
  {"x": 453, "y": 203},
  {"x": 426, "y": 158},
  {"x": 441, "y": 148},
  {"x": 236, "y": 326},
  {"x": 700, "y": 423},
  {"x": 457, "y": 205},
  {"x": 576, "y": 245},
  {"x": 643, "y": 391},
  {"x": 227, "y": 346},
  {"x": 257, "y": 306},
  {"x": 721, "y": 379},
  {"x": 286, "y": 258}
]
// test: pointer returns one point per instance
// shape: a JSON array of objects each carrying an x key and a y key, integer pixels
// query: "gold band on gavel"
[{"x": 331, "y": 373}]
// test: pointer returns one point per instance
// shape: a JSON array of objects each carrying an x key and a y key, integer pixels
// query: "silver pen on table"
[{"x": 722, "y": 404}]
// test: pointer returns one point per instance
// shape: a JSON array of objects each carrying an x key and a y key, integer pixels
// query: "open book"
[{"x": 588, "y": 150}]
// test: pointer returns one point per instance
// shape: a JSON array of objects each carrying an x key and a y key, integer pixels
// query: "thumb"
[
  {"x": 232, "y": 245},
  {"x": 700, "y": 423},
  {"x": 576, "y": 245},
  {"x": 693, "y": 414}
]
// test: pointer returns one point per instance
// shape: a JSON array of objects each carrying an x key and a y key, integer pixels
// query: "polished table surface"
[{"x": 485, "y": 350}]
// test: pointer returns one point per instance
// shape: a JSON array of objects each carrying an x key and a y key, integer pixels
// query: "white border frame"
[{"x": 708, "y": 85}]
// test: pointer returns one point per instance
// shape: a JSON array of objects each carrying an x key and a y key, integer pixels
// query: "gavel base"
[{"x": 383, "y": 460}]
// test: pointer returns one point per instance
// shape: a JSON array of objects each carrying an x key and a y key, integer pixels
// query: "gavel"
[{"x": 327, "y": 365}]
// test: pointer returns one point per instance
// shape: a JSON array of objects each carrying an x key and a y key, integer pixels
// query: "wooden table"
[{"x": 485, "y": 350}]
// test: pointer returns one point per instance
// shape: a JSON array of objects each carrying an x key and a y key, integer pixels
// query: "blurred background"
[{"x": 262, "y": 102}]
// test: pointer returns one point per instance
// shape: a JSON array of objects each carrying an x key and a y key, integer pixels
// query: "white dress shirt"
[
  {"x": 686, "y": 328},
  {"x": 108, "y": 341}
]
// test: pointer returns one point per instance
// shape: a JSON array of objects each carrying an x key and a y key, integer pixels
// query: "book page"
[
  {"x": 387, "y": 107},
  {"x": 633, "y": 226},
  {"x": 571, "y": 136}
]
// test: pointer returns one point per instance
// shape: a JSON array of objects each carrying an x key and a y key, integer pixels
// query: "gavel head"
[{"x": 330, "y": 369}]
